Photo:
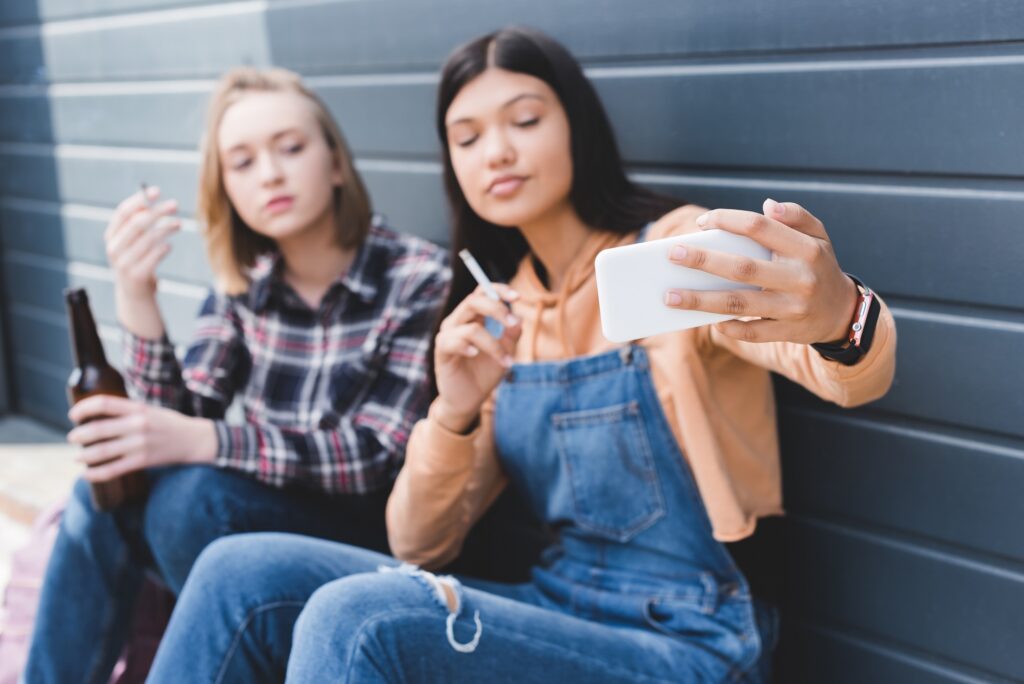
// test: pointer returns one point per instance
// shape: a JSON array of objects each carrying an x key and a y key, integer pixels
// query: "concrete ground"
[{"x": 36, "y": 469}]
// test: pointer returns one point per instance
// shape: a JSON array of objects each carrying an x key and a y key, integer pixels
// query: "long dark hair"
[{"x": 603, "y": 197}]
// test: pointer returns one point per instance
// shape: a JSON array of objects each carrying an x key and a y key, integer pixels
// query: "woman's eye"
[
  {"x": 240, "y": 164},
  {"x": 526, "y": 123},
  {"x": 293, "y": 149},
  {"x": 466, "y": 142}
]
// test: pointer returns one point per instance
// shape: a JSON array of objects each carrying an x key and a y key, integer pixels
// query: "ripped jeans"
[{"x": 359, "y": 616}]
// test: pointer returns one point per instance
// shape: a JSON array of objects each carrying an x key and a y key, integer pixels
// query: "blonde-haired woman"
[{"x": 319, "y": 328}]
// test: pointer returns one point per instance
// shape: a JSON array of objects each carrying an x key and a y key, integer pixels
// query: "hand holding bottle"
[{"x": 120, "y": 436}]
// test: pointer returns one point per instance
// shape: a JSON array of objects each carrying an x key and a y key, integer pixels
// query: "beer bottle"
[{"x": 93, "y": 375}]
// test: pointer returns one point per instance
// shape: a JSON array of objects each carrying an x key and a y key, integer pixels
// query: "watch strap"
[{"x": 861, "y": 332}]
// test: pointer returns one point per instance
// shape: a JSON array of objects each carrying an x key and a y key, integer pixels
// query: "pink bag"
[
  {"x": 21, "y": 599},
  {"x": 21, "y": 596}
]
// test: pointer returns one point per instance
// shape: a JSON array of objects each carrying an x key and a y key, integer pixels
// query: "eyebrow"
[
  {"x": 275, "y": 136},
  {"x": 517, "y": 98}
]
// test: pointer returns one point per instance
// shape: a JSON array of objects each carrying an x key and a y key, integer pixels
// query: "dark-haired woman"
[{"x": 644, "y": 460}]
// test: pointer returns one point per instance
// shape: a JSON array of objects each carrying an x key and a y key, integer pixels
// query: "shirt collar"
[
  {"x": 361, "y": 278},
  {"x": 261, "y": 277},
  {"x": 369, "y": 265}
]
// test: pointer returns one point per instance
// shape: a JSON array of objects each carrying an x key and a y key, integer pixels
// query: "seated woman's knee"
[
  {"x": 184, "y": 504},
  {"x": 243, "y": 564},
  {"x": 79, "y": 512},
  {"x": 350, "y": 602}
]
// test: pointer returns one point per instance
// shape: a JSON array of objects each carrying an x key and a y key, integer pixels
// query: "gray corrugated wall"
[
  {"x": 4, "y": 383},
  {"x": 898, "y": 123}
]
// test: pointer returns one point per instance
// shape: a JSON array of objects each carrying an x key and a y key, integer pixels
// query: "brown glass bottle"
[{"x": 93, "y": 375}]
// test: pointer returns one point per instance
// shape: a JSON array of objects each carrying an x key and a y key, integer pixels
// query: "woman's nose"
[
  {"x": 499, "y": 149},
  {"x": 269, "y": 168}
]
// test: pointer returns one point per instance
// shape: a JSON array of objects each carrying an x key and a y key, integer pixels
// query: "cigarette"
[
  {"x": 494, "y": 327},
  {"x": 145, "y": 193},
  {"x": 479, "y": 275}
]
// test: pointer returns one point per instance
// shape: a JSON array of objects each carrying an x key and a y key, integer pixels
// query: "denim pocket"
[
  {"x": 607, "y": 455},
  {"x": 725, "y": 630}
]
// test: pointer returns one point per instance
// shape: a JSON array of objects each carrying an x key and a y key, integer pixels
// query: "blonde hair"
[{"x": 233, "y": 246}]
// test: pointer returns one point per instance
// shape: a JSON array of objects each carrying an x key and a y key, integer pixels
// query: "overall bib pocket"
[{"x": 607, "y": 457}]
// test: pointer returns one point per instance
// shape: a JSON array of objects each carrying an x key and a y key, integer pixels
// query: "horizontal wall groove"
[
  {"x": 958, "y": 436},
  {"x": 45, "y": 367},
  {"x": 877, "y": 182},
  {"x": 803, "y": 66},
  {"x": 917, "y": 184},
  {"x": 175, "y": 4},
  {"x": 106, "y": 22},
  {"x": 105, "y": 152},
  {"x": 929, "y": 662},
  {"x": 971, "y": 186},
  {"x": 968, "y": 316},
  {"x": 97, "y": 272},
  {"x": 75, "y": 210},
  {"x": 1008, "y": 439},
  {"x": 612, "y": 67},
  {"x": 1004, "y": 567},
  {"x": 111, "y": 333}
]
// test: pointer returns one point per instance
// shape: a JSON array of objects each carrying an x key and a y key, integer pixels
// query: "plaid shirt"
[{"x": 329, "y": 396}]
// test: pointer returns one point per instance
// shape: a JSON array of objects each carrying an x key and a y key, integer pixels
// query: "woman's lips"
[
  {"x": 504, "y": 187},
  {"x": 280, "y": 204}
]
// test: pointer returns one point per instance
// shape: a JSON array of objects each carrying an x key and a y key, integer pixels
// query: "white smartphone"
[{"x": 632, "y": 282}]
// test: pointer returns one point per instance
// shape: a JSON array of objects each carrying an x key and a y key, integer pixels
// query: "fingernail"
[
  {"x": 775, "y": 208},
  {"x": 678, "y": 252},
  {"x": 672, "y": 298},
  {"x": 507, "y": 361},
  {"x": 702, "y": 219},
  {"x": 513, "y": 294},
  {"x": 472, "y": 351},
  {"x": 511, "y": 320}
]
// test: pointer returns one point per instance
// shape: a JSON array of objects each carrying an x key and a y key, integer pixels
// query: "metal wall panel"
[
  {"x": 895, "y": 122},
  {"x": 5, "y": 382}
]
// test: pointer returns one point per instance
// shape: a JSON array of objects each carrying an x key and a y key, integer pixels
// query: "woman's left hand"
[
  {"x": 124, "y": 435},
  {"x": 805, "y": 296}
]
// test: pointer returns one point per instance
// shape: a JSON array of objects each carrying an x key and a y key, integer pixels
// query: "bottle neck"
[{"x": 85, "y": 338}]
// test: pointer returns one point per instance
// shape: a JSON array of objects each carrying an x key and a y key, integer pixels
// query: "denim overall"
[{"x": 587, "y": 444}]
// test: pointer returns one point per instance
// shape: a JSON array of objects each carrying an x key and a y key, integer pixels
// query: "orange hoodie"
[{"x": 715, "y": 391}]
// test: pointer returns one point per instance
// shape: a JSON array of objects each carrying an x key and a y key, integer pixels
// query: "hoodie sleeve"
[
  {"x": 867, "y": 380},
  {"x": 447, "y": 482},
  {"x": 847, "y": 386}
]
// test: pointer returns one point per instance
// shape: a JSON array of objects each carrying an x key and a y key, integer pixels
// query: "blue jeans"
[
  {"x": 251, "y": 595},
  {"x": 99, "y": 559}
]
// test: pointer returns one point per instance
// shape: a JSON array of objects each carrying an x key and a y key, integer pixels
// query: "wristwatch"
[{"x": 862, "y": 329}]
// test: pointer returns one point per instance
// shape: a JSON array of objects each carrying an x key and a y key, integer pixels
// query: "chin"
[
  {"x": 509, "y": 215},
  {"x": 283, "y": 226}
]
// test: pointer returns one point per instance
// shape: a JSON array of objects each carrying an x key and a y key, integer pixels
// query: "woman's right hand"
[
  {"x": 469, "y": 362},
  {"x": 136, "y": 240}
]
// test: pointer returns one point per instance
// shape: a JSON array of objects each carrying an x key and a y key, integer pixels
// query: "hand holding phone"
[{"x": 632, "y": 282}]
